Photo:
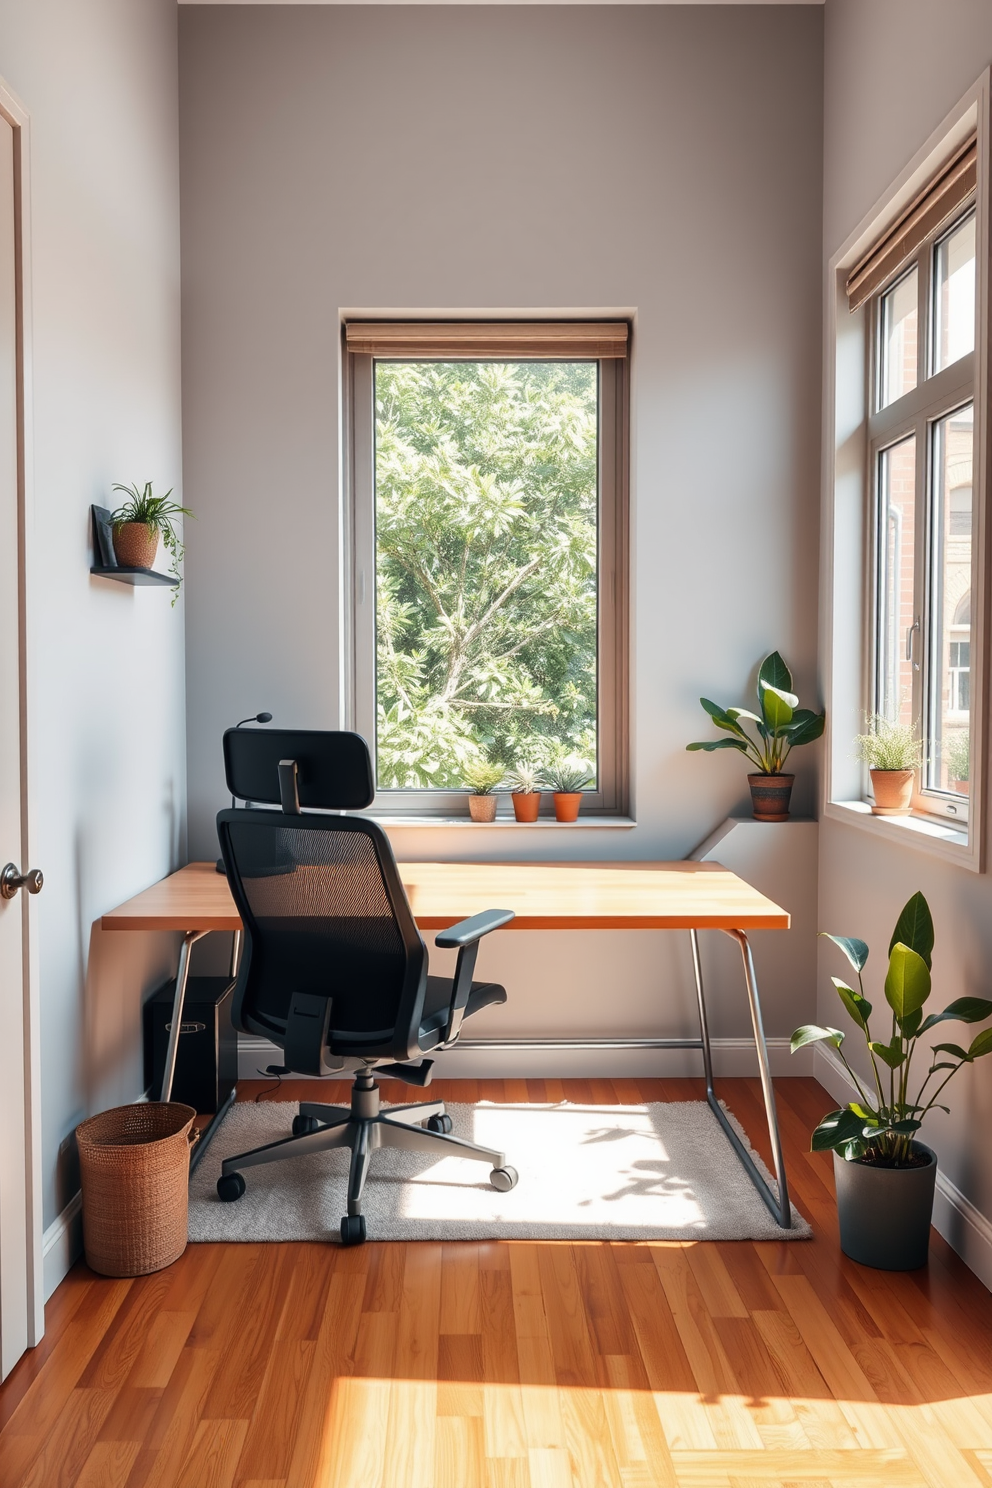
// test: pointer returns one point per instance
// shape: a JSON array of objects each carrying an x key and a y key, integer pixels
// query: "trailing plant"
[
  {"x": 482, "y": 777},
  {"x": 566, "y": 777},
  {"x": 882, "y": 1123},
  {"x": 525, "y": 780},
  {"x": 158, "y": 514},
  {"x": 781, "y": 726},
  {"x": 888, "y": 745}
]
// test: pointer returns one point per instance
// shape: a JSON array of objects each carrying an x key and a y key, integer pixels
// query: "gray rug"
[{"x": 652, "y": 1172}]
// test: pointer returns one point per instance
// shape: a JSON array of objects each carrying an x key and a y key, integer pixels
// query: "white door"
[{"x": 19, "y": 1239}]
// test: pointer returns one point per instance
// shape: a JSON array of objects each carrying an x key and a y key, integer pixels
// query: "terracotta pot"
[
  {"x": 770, "y": 796},
  {"x": 885, "y": 1213},
  {"x": 893, "y": 791},
  {"x": 526, "y": 805},
  {"x": 482, "y": 808},
  {"x": 135, "y": 544},
  {"x": 567, "y": 805}
]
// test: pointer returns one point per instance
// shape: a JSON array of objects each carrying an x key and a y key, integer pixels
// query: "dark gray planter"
[{"x": 885, "y": 1213}]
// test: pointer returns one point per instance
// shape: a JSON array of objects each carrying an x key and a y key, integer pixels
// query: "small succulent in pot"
[
  {"x": 482, "y": 777},
  {"x": 780, "y": 728},
  {"x": 568, "y": 779},
  {"x": 893, "y": 753},
  {"x": 526, "y": 783},
  {"x": 140, "y": 522},
  {"x": 885, "y": 1176}
]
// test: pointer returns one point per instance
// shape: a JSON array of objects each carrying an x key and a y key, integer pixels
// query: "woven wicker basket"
[{"x": 134, "y": 1164}]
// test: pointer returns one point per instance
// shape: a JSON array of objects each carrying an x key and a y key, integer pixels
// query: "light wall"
[
  {"x": 893, "y": 70},
  {"x": 99, "y": 81},
  {"x": 658, "y": 162}
]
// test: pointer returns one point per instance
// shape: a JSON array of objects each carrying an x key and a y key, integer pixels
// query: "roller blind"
[
  {"x": 441, "y": 339},
  {"x": 949, "y": 190}
]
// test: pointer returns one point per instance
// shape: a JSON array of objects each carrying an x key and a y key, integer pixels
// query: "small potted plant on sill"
[
  {"x": 568, "y": 780},
  {"x": 138, "y": 525},
  {"x": 892, "y": 752},
  {"x": 884, "y": 1176},
  {"x": 781, "y": 727},
  {"x": 525, "y": 783},
  {"x": 482, "y": 777}
]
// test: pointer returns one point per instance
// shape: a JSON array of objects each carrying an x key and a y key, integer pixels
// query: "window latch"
[{"x": 909, "y": 643}]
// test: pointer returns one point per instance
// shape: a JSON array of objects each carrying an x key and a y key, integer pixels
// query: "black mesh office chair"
[{"x": 333, "y": 968}]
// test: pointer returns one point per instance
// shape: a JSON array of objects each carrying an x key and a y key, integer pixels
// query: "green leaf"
[
  {"x": 836, "y": 1129},
  {"x": 893, "y": 1054},
  {"x": 811, "y": 1033},
  {"x": 773, "y": 672},
  {"x": 855, "y": 950},
  {"x": 710, "y": 744},
  {"x": 980, "y": 1044},
  {"x": 963, "y": 1010},
  {"x": 954, "y": 1049},
  {"x": 858, "y": 1006},
  {"x": 724, "y": 718},
  {"x": 776, "y": 706},
  {"x": 909, "y": 1027},
  {"x": 907, "y": 981},
  {"x": 805, "y": 727},
  {"x": 906, "y": 1127},
  {"x": 744, "y": 713},
  {"x": 863, "y": 1112},
  {"x": 914, "y": 928}
]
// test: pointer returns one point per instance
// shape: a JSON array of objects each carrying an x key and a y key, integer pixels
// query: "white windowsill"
[
  {"x": 617, "y": 823},
  {"x": 924, "y": 833}
]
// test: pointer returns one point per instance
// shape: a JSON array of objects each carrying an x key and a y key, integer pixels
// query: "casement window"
[
  {"x": 487, "y": 543},
  {"x": 918, "y": 287}
]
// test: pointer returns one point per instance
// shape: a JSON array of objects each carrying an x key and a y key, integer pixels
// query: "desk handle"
[{"x": 12, "y": 879}]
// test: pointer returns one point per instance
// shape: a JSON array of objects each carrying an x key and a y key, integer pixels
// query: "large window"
[
  {"x": 488, "y": 539},
  {"x": 921, "y": 452}
]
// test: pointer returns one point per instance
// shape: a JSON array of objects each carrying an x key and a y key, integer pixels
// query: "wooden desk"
[{"x": 544, "y": 896}]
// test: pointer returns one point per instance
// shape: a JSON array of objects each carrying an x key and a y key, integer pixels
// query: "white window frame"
[{"x": 853, "y": 434}]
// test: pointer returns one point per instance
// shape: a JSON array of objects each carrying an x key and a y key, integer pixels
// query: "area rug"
[{"x": 653, "y": 1172}]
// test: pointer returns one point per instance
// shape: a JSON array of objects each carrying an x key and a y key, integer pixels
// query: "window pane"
[
  {"x": 950, "y": 604},
  {"x": 486, "y": 496},
  {"x": 898, "y": 336},
  {"x": 897, "y": 560},
  {"x": 954, "y": 295}
]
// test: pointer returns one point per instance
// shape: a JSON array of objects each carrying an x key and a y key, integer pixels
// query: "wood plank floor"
[{"x": 514, "y": 1364}]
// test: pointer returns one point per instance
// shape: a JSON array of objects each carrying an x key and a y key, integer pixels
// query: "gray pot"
[{"x": 885, "y": 1213}]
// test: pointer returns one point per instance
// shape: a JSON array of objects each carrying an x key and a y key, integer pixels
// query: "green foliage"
[
  {"x": 567, "y": 776},
  {"x": 889, "y": 746},
  {"x": 781, "y": 726},
  {"x": 159, "y": 514},
  {"x": 486, "y": 544},
  {"x": 482, "y": 777},
  {"x": 889, "y": 1120},
  {"x": 959, "y": 756},
  {"x": 524, "y": 780}
]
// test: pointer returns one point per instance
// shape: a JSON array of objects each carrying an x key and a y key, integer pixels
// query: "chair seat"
[{"x": 437, "y": 1001}]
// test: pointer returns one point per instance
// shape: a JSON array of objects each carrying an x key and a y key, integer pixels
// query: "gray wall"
[
  {"x": 658, "y": 161},
  {"x": 99, "y": 80},
  {"x": 893, "y": 69}
]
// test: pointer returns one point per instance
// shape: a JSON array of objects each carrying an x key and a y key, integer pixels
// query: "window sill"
[
  {"x": 621, "y": 823},
  {"x": 924, "y": 834}
]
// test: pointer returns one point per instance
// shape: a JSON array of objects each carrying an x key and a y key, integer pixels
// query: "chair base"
[{"x": 363, "y": 1126}]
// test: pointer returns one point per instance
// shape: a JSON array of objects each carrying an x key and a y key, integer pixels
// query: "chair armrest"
[{"x": 467, "y": 932}]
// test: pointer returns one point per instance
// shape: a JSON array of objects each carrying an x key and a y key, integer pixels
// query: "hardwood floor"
[{"x": 515, "y": 1364}]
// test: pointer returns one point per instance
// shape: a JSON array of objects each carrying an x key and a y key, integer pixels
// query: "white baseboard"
[
  {"x": 731, "y": 1057},
  {"x": 62, "y": 1244},
  {"x": 965, "y": 1228}
]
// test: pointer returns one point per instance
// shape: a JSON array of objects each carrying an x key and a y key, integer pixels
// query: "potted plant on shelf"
[
  {"x": 568, "y": 779},
  {"x": 892, "y": 752},
  {"x": 138, "y": 525},
  {"x": 482, "y": 777},
  {"x": 884, "y": 1176},
  {"x": 525, "y": 783},
  {"x": 780, "y": 727}
]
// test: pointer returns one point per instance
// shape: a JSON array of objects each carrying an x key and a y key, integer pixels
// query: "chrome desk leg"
[
  {"x": 235, "y": 952},
  {"x": 780, "y": 1207},
  {"x": 182, "y": 977}
]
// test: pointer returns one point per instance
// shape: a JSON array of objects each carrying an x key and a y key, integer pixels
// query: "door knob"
[{"x": 11, "y": 879}]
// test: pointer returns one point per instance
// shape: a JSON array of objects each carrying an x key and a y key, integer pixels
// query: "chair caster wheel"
[
  {"x": 230, "y": 1186},
  {"x": 304, "y": 1125},
  {"x": 353, "y": 1229},
  {"x": 440, "y": 1124},
  {"x": 503, "y": 1179}
]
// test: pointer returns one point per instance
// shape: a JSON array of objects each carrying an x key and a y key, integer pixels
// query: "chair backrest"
[{"x": 324, "y": 913}]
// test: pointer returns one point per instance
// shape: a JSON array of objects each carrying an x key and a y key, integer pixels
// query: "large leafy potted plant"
[
  {"x": 140, "y": 523},
  {"x": 780, "y": 727},
  {"x": 884, "y": 1175},
  {"x": 893, "y": 754}
]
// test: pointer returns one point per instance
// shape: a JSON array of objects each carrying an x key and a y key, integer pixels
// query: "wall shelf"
[{"x": 133, "y": 575}]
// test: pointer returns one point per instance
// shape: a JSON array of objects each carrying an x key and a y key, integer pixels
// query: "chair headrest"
[{"x": 334, "y": 770}]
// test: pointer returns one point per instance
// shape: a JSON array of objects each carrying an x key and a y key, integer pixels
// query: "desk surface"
[{"x": 544, "y": 896}]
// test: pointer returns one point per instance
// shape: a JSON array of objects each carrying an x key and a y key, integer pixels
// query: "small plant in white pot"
[
  {"x": 525, "y": 783},
  {"x": 482, "y": 777},
  {"x": 885, "y": 1177},
  {"x": 568, "y": 779},
  {"x": 893, "y": 753}
]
